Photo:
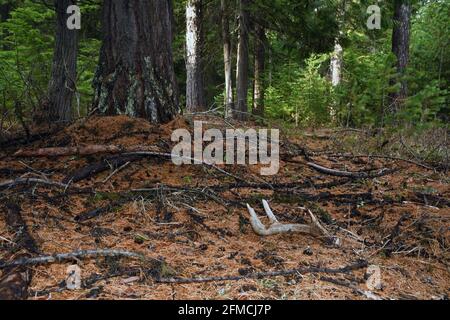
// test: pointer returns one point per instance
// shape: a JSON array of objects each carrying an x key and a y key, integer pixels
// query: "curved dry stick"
[{"x": 356, "y": 175}]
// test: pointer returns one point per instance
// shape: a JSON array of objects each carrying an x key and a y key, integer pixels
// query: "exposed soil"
[{"x": 399, "y": 222}]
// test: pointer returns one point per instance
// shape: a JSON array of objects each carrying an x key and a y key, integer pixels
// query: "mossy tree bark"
[{"x": 135, "y": 75}]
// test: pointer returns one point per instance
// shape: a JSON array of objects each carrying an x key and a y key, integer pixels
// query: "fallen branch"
[
  {"x": 69, "y": 151},
  {"x": 99, "y": 167},
  {"x": 368, "y": 294},
  {"x": 356, "y": 175},
  {"x": 21, "y": 181},
  {"x": 81, "y": 254},
  {"x": 259, "y": 275},
  {"x": 381, "y": 157}
]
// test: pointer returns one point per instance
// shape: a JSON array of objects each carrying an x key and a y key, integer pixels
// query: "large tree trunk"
[
  {"x": 62, "y": 84},
  {"x": 400, "y": 46},
  {"x": 242, "y": 62},
  {"x": 195, "y": 95},
  {"x": 227, "y": 57},
  {"x": 260, "y": 64},
  {"x": 135, "y": 75}
]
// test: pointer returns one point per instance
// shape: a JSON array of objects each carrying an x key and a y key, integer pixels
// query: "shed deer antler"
[{"x": 314, "y": 229}]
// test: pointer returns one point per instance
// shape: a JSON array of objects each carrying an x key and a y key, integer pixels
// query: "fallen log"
[{"x": 347, "y": 174}]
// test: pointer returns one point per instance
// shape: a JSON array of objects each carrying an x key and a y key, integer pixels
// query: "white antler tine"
[
  {"x": 257, "y": 225},
  {"x": 269, "y": 212}
]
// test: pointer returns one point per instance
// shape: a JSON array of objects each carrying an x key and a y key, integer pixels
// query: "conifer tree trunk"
[
  {"x": 135, "y": 75},
  {"x": 62, "y": 84},
  {"x": 241, "y": 108},
  {"x": 195, "y": 95},
  {"x": 259, "y": 70}
]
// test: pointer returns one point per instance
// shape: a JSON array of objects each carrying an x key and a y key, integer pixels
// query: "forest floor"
[{"x": 194, "y": 219}]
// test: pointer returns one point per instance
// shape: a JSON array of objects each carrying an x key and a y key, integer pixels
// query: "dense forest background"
[{"x": 298, "y": 45}]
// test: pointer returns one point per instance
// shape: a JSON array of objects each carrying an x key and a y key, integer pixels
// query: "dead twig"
[{"x": 356, "y": 175}]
